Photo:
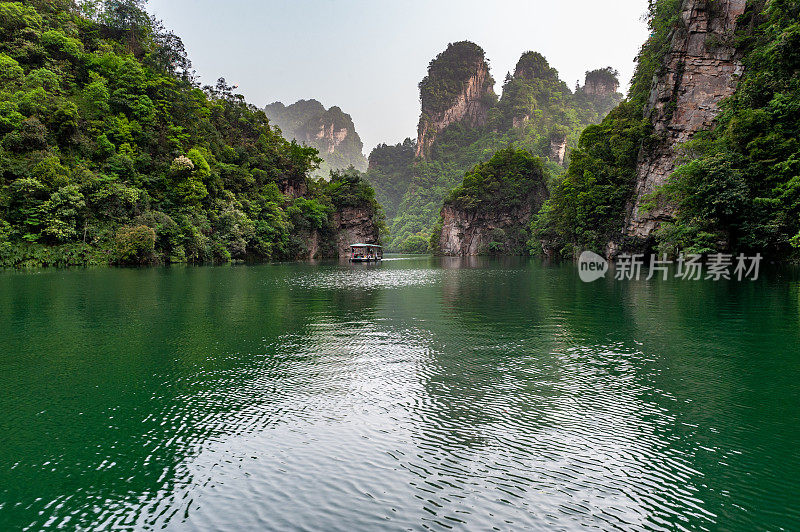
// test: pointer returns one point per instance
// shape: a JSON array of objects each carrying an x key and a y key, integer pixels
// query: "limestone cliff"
[
  {"x": 293, "y": 186},
  {"x": 355, "y": 225},
  {"x": 353, "y": 216},
  {"x": 348, "y": 225},
  {"x": 558, "y": 148},
  {"x": 331, "y": 131},
  {"x": 463, "y": 122},
  {"x": 597, "y": 85},
  {"x": 458, "y": 88},
  {"x": 469, "y": 233},
  {"x": 490, "y": 212},
  {"x": 701, "y": 68}
]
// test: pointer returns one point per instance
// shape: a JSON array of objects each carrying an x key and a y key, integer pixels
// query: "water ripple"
[{"x": 476, "y": 398}]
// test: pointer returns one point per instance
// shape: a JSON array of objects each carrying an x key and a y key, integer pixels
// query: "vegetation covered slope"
[
  {"x": 447, "y": 74},
  {"x": 587, "y": 206},
  {"x": 499, "y": 184},
  {"x": 330, "y": 131},
  {"x": 392, "y": 168},
  {"x": 536, "y": 109},
  {"x": 109, "y": 152},
  {"x": 489, "y": 213},
  {"x": 738, "y": 188}
]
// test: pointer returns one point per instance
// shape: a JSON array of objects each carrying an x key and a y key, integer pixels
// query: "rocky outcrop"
[
  {"x": 466, "y": 233},
  {"x": 519, "y": 121},
  {"x": 469, "y": 103},
  {"x": 326, "y": 134},
  {"x": 701, "y": 69},
  {"x": 489, "y": 219},
  {"x": 293, "y": 186},
  {"x": 331, "y": 131},
  {"x": 558, "y": 148},
  {"x": 354, "y": 225},
  {"x": 533, "y": 65},
  {"x": 600, "y": 87}
]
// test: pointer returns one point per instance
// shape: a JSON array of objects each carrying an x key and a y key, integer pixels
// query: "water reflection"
[{"x": 416, "y": 393}]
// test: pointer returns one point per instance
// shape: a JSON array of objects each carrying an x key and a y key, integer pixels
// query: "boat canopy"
[{"x": 365, "y": 246}]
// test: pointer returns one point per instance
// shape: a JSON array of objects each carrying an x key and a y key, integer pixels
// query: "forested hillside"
[
  {"x": 740, "y": 183},
  {"x": 737, "y": 183},
  {"x": 463, "y": 123},
  {"x": 110, "y": 152}
]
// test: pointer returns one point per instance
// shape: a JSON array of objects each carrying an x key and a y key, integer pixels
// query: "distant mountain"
[
  {"x": 463, "y": 123},
  {"x": 331, "y": 131}
]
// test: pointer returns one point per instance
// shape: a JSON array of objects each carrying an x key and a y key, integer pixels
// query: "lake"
[{"x": 420, "y": 393}]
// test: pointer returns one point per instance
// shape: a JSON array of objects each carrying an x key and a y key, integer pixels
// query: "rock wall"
[
  {"x": 354, "y": 225},
  {"x": 331, "y": 131},
  {"x": 701, "y": 69},
  {"x": 519, "y": 121},
  {"x": 470, "y": 106},
  {"x": 293, "y": 186},
  {"x": 468, "y": 233},
  {"x": 600, "y": 88},
  {"x": 327, "y": 137},
  {"x": 558, "y": 149}
]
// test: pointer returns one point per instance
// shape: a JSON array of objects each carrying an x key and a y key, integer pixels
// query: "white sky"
[{"x": 367, "y": 56}]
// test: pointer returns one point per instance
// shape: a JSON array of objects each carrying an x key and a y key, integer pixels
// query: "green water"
[{"x": 418, "y": 393}]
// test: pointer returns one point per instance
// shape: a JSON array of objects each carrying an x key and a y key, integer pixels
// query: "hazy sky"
[{"x": 367, "y": 56}]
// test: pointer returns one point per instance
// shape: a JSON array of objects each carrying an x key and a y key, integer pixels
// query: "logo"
[{"x": 592, "y": 267}]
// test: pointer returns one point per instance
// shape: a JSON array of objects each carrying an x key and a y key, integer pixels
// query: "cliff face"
[
  {"x": 701, "y": 69},
  {"x": 490, "y": 212},
  {"x": 458, "y": 88},
  {"x": 600, "y": 87},
  {"x": 354, "y": 225},
  {"x": 331, "y": 131},
  {"x": 466, "y": 233},
  {"x": 558, "y": 148},
  {"x": 330, "y": 136},
  {"x": 293, "y": 186}
]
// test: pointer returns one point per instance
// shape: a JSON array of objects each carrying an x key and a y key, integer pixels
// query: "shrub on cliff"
[
  {"x": 506, "y": 181},
  {"x": 310, "y": 123},
  {"x": 587, "y": 205},
  {"x": 536, "y": 107},
  {"x": 349, "y": 189},
  {"x": 448, "y": 73}
]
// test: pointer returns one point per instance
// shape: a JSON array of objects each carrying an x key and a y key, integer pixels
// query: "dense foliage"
[
  {"x": 110, "y": 152},
  {"x": 391, "y": 167},
  {"x": 309, "y": 123},
  {"x": 536, "y": 109},
  {"x": 448, "y": 73},
  {"x": 502, "y": 183},
  {"x": 512, "y": 183},
  {"x": 740, "y": 185},
  {"x": 587, "y": 206}
]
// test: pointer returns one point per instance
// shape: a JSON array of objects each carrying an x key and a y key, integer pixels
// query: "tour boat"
[{"x": 366, "y": 253}]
